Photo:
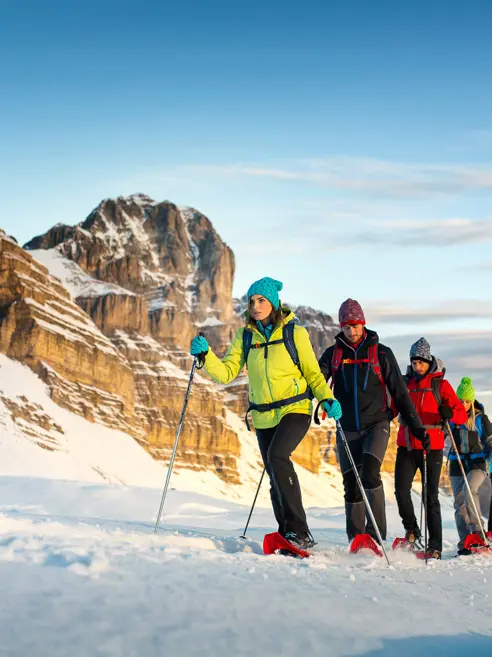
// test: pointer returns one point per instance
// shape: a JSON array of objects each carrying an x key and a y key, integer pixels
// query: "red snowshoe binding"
[
  {"x": 411, "y": 543},
  {"x": 365, "y": 542},
  {"x": 275, "y": 543}
]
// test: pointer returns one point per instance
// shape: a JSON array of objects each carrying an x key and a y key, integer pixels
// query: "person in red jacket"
[{"x": 435, "y": 402}]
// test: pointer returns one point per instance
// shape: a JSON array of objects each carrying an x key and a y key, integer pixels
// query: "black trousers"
[
  {"x": 407, "y": 464},
  {"x": 276, "y": 446},
  {"x": 368, "y": 448}
]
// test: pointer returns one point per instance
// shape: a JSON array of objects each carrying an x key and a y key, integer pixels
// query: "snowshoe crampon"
[
  {"x": 476, "y": 544},
  {"x": 365, "y": 542},
  {"x": 401, "y": 543},
  {"x": 431, "y": 554},
  {"x": 275, "y": 543}
]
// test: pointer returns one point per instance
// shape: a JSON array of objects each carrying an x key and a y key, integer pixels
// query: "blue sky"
[{"x": 342, "y": 147}]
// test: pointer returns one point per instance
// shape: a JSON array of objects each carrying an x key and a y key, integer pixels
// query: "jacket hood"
[
  {"x": 436, "y": 369},
  {"x": 479, "y": 408}
]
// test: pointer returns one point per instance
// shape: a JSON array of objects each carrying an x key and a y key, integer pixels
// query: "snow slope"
[
  {"x": 73, "y": 277},
  {"x": 85, "y": 575},
  {"x": 95, "y": 453}
]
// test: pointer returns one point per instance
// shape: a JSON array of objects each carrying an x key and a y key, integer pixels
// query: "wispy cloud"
[
  {"x": 445, "y": 232},
  {"x": 370, "y": 176},
  {"x": 457, "y": 310}
]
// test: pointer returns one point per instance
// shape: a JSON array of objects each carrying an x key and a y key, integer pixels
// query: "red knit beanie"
[{"x": 351, "y": 313}]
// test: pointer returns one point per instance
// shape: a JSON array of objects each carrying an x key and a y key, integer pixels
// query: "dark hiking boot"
[
  {"x": 433, "y": 554},
  {"x": 302, "y": 540},
  {"x": 464, "y": 552},
  {"x": 414, "y": 538}
]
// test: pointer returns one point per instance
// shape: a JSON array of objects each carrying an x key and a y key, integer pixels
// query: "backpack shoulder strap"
[
  {"x": 247, "y": 340},
  {"x": 373, "y": 355},
  {"x": 436, "y": 389},
  {"x": 289, "y": 341},
  {"x": 336, "y": 361}
]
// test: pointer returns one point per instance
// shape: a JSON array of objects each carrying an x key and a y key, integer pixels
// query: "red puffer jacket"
[{"x": 423, "y": 397}]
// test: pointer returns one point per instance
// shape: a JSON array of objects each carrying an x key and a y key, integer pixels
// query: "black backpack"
[{"x": 287, "y": 339}]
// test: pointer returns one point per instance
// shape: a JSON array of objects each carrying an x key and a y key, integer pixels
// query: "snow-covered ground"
[{"x": 83, "y": 573}]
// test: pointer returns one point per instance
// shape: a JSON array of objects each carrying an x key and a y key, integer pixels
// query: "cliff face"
[
  {"x": 171, "y": 258},
  {"x": 129, "y": 382},
  {"x": 42, "y": 326},
  {"x": 104, "y": 312}
]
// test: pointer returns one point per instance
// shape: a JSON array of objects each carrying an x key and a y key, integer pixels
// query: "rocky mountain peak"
[{"x": 171, "y": 254}]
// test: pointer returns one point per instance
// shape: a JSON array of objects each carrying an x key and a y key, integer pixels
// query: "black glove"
[
  {"x": 445, "y": 412},
  {"x": 423, "y": 436}
]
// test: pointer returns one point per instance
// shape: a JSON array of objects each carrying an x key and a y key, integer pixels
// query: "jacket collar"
[
  {"x": 371, "y": 338},
  {"x": 277, "y": 330},
  {"x": 436, "y": 370}
]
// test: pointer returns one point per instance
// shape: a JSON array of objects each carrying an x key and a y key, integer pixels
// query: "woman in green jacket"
[{"x": 280, "y": 394}]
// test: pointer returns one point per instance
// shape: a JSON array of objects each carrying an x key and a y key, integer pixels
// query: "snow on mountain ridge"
[
  {"x": 70, "y": 447},
  {"x": 73, "y": 277}
]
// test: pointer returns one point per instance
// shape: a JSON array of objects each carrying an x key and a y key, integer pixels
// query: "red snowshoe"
[
  {"x": 476, "y": 545},
  {"x": 402, "y": 543},
  {"x": 410, "y": 543},
  {"x": 275, "y": 543},
  {"x": 365, "y": 542}
]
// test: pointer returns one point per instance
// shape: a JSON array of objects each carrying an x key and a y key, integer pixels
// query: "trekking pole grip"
[{"x": 316, "y": 412}]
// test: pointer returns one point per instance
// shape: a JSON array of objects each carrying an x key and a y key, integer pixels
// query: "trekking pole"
[
  {"x": 198, "y": 362},
  {"x": 421, "y": 506},
  {"x": 243, "y": 535},
  {"x": 424, "y": 498},
  {"x": 359, "y": 482},
  {"x": 478, "y": 515}
]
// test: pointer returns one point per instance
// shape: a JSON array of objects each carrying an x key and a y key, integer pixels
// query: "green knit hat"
[{"x": 466, "y": 391}]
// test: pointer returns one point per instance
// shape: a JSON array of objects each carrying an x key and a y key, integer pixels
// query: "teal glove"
[
  {"x": 333, "y": 409},
  {"x": 199, "y": 345}
]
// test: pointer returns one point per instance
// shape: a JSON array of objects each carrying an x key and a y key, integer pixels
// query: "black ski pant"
[
  {"x": 368, "y": 449},
  {"x": 276, "y": 445},
  {"x": 407, "y": 464}
]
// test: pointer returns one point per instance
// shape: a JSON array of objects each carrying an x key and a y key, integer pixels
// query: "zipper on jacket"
[
  {"x": 275, "y": 410},
  {"x": 356, "y": 394},
  {"x": 367, "y": 376}
]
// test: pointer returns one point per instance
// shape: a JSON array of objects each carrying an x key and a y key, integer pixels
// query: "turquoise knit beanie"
[
  {"x": 268, "y": 288},
  {"x": 465, "y": 390}
]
